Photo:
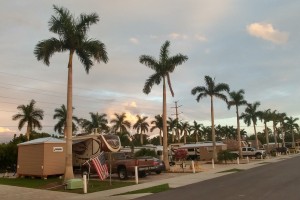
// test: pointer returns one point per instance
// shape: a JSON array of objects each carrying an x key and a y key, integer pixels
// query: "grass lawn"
[
  {"x": 154, "y": 189},
  {"x": 56, "y": 184}
]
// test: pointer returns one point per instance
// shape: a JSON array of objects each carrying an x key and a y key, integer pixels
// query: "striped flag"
[{"x": 100, "y": 166}]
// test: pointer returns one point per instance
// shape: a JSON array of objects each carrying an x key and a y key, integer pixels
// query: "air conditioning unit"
[{"x": 74, "y": 184}]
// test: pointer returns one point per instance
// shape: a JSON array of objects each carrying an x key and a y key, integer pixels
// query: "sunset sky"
[{"x": 251, "y": 45}]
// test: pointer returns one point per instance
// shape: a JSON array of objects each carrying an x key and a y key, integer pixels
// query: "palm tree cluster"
[{"x": 72, "y": 38}]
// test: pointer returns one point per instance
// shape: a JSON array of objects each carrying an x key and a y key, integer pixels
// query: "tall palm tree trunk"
[
  {"x": 184, "y": 137},
  {"x": 173, "y": 136},
  {"x": 282, "y": 133},
  {"x": 256, "y": 138},
  {"x": 275, "y": 134},
  {"x": 267, "y": 137},
  {"x": 213, "y": 134},
  {"x": 28, "y": 130},
  {"x": 239, "y": 132},
  {"x": 160, "y": 138},
  {"x": 141, "y": 138},
  {"x": 69, "y": 165},
  {"x": 197, "y": 137},
  {"x": 165, "y": 133},
  {"x": 293, "y": 138}
]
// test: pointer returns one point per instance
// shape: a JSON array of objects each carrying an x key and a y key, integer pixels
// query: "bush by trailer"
[{"x": 41, "y": 157}]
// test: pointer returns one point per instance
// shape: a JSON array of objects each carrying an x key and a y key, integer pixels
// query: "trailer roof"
[{"x": 42, "y": 141}]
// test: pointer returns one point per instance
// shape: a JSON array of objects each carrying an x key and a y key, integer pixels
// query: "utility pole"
[{"x": 176, "y": 114}]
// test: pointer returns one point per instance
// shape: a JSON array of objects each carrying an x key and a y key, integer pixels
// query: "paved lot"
[{"x": 173, "y": 179}]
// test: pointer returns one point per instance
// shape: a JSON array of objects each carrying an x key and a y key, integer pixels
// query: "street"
[{"x": 276, "y": 181}]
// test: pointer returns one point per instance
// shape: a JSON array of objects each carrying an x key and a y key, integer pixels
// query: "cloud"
[
  {"x": 267, "y": 32},
  {"x": 134, "y": 40},
  {"x": 178, "y": 36},
  {"x": 6, "y": 135},
  {"x": 200, "y": 37}
]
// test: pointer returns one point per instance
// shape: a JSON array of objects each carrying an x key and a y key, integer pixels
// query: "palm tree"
[
  {"x": 275, "y": 119},
  {"x": 119, "y": 123},
  {"x": 61, "y": 115},
  {"x": 212, "y": 90},
  {"x": 31, "y": 115},
  {"x": 292, "y": 125},
  {"x": 250, "y": 115},
  {"x": 281, "y": 118},
  {"x": 172, "y": 126},
  {"x": 237, "y": 99},
  {"x": 184, "y": 127},
  {"x": 157, "y": 124},
  {"x": 162, "y": 67},
  {"x": 196, "y": 129},
  {"x": 72, "y": 37},
  {"x": 266, "y": 117},
  {"x": 142, "y": 126},
  {"x": 98, "y": 123}
]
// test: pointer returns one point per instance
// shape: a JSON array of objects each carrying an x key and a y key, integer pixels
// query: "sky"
[{"x": 250, "y": 45}]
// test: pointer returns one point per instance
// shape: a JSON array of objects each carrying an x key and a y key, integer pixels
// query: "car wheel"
[
  {"x": 158, "y": 172},
  {"x": 122, "y": 173},
  {"x": 257, "y": 156}
]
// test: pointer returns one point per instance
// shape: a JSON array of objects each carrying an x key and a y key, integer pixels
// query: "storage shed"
[{"x": 41, "y": 157}]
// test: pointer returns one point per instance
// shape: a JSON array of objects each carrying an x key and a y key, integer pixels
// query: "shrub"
[
  {"x": 180, "y": 154},
  {"x": 145, "y": 152},
  {"x": 226, "y": 155}
]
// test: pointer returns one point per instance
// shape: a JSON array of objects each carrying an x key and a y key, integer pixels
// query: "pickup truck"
[
  {"x": 251, "y": 152},
  {"x": 123, "y": 165}
]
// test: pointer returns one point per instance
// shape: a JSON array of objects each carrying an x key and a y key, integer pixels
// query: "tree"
[
  {"x": 274, "y": 116},
  {"x": 98, "y": 123},
  {"x": 212, "y": 90},
  {"x": 157, "y": 124},
  {"x": 172, "y": 126},
  {"x": 61, "y": 115},
  {"x": 72, "y": 37},
  {"x": 184, "y": 127},
  {"x": 119, "y": 123},
  {"x": 265, "y": 117},
  {"x": 281, "y": 118},
  {"x": 237, "y": 99},
  {"x": 31, "y": 115},
  {"x": 142, "y": 126},
  {"x": 250, "y": 115},
  {"x": 292, "y": 126},
  {"x": 163, "y": 68},
  {"x": 196, "y": 129}
]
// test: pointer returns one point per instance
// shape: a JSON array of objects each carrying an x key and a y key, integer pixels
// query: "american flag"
[{"x": 100, "y": 166}]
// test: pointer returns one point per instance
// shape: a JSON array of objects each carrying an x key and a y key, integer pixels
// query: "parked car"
[
  {"x": 251, "y": 152},
  {"x": 159, "y": 165},
  {"x": 283, "y": 150},
  {"x": 122, "y": 165}
]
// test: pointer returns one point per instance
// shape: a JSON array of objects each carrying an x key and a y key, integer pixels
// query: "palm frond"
[
  {"x": 85, "y": 21},
  {"x": 149, "y": 61},
  {"x": 46, "y": 48},
  {"x": 153, "y": 79}
]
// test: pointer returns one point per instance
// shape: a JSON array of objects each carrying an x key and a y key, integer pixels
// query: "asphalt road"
[{"x": 276, "y": 181}]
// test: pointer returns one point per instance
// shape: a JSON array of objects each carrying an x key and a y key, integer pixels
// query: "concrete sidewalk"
[{"x": 11, "y": 192}]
